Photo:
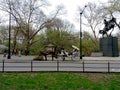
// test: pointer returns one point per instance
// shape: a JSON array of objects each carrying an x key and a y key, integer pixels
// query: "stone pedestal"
[{"x": 109, "y": 46}]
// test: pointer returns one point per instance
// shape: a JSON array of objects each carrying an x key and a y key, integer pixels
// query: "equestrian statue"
[{"x": 108, "y": 26}]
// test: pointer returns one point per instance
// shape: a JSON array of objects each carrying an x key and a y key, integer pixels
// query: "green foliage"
[
  {"x": 39, "y": 44},
  {"x": 59, "y": 38},
  {"x": 55, "y": 37},
  {"x": 89, "y": 43}
]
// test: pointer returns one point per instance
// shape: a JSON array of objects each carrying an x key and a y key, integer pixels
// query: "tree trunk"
[
  {"x": 28, "y": 40},
  {"x": 15, "y": 41},
  {"x": 28, "y": 47}
]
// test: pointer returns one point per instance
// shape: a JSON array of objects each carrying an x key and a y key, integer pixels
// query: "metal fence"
[{"x": 71, "y": 66}]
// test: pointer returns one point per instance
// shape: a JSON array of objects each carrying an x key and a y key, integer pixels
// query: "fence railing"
[{"x": 34, "y": 66}]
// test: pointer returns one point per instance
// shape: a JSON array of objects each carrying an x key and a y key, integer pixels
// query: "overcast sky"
[{"x": 71, "y": 6}]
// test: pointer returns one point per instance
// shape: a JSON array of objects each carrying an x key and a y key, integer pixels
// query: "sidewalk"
[
  {"x": 13, "y": 57},
  {"x": 29, "y": 58},
  {"x": 102, "y": 58}
]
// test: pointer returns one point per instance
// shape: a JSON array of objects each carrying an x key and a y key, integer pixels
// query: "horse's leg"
[
  {"x": 102, "y": 35},
  {"x": 45, "y": 57},
  {"x": 106, "y": 34},
  {"x": 111, "y": 32},
  {"x": 52, "y": 57},
  {"x": 63, "y": 58}
]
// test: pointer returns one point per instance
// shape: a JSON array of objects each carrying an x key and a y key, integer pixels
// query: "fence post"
[
  {"x": 57, "y": 65},
  {"x": 83, "y": 66},
  {"x": 31, "y": 65},
  {"x": 3, "y": 66},
  {"x": 108, "y": 66}
]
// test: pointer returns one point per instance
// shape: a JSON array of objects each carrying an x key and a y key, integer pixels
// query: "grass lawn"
[{"x": 59, "y": 81}]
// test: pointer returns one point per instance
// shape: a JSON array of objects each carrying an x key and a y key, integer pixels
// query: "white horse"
[{"x": 72, "y": 54}]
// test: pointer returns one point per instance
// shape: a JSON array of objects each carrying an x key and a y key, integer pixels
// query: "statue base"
[{"x": 109, "y": 46}]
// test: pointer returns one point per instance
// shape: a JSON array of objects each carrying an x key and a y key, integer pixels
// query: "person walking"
[
  {"x": 5, "y": 53},
  {"x": 19, "y": 53}
]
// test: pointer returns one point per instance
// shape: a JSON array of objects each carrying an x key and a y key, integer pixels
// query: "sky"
[{"x": 71, "y": 6}]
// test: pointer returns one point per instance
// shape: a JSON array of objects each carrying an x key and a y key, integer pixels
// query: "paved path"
[
  {"x": 24, "y": 58},
  {"x": 101, "y": 58},
  {"x": 17, "y": 57}
]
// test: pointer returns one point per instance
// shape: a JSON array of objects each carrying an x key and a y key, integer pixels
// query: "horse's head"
[
  {"x": 112, "y": 23},
  {"x": 113, "y": 19}
]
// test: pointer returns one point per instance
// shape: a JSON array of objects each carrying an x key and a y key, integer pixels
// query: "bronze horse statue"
[{"x": 108, "y": 26}]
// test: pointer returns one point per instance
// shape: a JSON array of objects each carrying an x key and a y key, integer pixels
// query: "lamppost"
[
  {"x": 9, "y": 51},
  {"x": 81, "y": 31}
]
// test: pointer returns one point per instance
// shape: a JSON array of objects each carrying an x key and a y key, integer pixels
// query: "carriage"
[{"x": 57, "y": 53}]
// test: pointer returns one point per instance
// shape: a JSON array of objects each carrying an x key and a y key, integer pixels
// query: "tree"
[
  {"x": 92, "y": 17},
  {"x": 3, "y": 34},
  {"x": 58, "y": 32},
  {"x": 112, "y": 9},
  {"x": 88, "y": 45},
  {"x": 92, "y": 20},
  {"x": 63, "y": 31},
  {"x": 28, "y": 16}
]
